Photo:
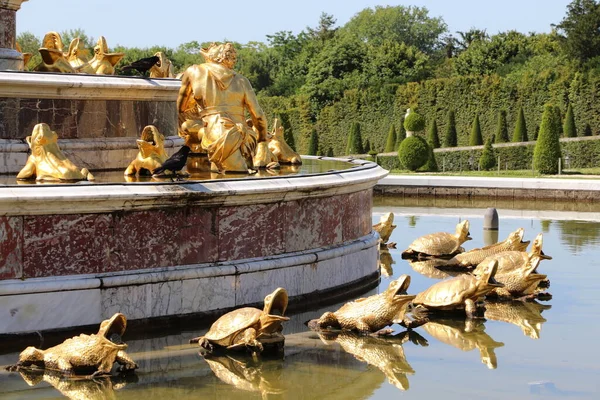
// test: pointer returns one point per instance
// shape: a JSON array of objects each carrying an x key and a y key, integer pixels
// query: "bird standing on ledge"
[
  {"x": 142, "y": 65},
  {"x": 175, "y": 163}
]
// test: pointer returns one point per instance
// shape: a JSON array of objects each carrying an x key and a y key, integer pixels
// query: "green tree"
[
  {"x": 354, "y": 140},
  {"x": 476, "y": 139},
  {"x": 501, "y": 128},
  {"x": 390, "y": 142},
  {"x": 325, "y": 29},
  {"x": 450, "y": 139},
  {"x": 558, "y": 116},
  {"x": 487, "y": 160},
  {"x": 520, "y": 133},
  {"x": 313, "y": 144},
  {"x": 581, "y": 26},
  {"x": 367, "y": 147},
  {"x": 330, "y": 152},
  {"x": 68, "y": 35},
  {"x": 413, "y": 153},
  {"x": 288, "y": 133},
  {"x": 569, "y": 126},
  {"x": 547, "y": 148},
  {"x": 433, "y": 140},
  {"x": 587, "y": 131}
]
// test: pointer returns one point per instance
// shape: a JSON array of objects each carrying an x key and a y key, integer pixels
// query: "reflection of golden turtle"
[
  {"x": 249, "y": 327},
  {"x": 460, "y": 292},
  {"x": 440, "y": 243},
  {"x": 84, "y": 352}
]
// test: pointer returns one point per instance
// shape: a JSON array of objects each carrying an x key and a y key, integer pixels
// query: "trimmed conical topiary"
[
  {"x": 413, "y": 153},
  {"x": 431, "y": 164},
  {"x": 569, "y": 127},
  {"x": 475, "y": 139},
  {"x": 501, "y": 128},
  {"x": 432, "y": 136},
  {"x": 367, "y": 147},
  {"x": 390, "y": 141},
  {"x": 587, "y": 131},
  {"x": 520, "y": 133},
  {"x": 288, "y": 133},
  {"x": 401, "y": 135},
  {"x": 547, "y": 148},
  {"x": 330, "y": 152},
  {"x": 450, "y": 139},
  {"x": 355, "y": 140},
  {"x": 313, "y": 144},
  {"x": 487, "y": 160}
]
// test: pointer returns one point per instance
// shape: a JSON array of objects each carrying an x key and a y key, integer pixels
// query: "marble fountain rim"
[{"x": 106, "y": 197}]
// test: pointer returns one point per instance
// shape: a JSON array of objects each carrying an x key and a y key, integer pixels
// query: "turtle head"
[
  {"x": 536, "y": 247},
  {"x": 276, "y": 302},
  {"x": 515, "y": 240},
  {"x": 486, "y": 278},
  {"x": 462, "y": 231},
  {"x": 114, "y": 327}
]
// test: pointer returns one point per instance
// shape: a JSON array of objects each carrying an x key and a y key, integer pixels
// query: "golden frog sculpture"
[
  {"x": 278, "y": 146},
  {"x": 103, "y": 62},
  {"x": 384, "y": 353},
  {"x": 152, "y": 152},
  {"x": 77, "y": 56},
  {"x": 249, "y": 328},
  {"x": 372, "y": 314},
  {"x": 84, "y": 353},
  {"x": 98, "y": 388},
  {"x": 439, "y": 244},
  {"x": 47, "y": 162},
  {"x": 163, "y": 68},
  {"x": 385, "y": 227},
  {"x": 26, "y": 56},
  {"x": 459, "y": 293},
  {"x": 471, "y": 258},
  {"x": 245, "y": 374},
  {"x": 527, "y": 315},
  {"x": 53, "y": 58},
  {"x": 466, "y": 336}
]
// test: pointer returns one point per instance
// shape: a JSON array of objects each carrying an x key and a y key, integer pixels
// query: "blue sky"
[{"x": 143, "y": 23}]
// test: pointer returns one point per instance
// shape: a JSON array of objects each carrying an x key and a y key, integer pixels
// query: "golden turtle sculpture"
[
  {"x": 458, "y": 293},
  {"x": 511, "y": 260},
  {"x": 372, "y": 314},
  {"x": 249, "y": 328},
  {"x": 472, "y": 258},
  {"x": 520, "y": 282},
  {"x": 84, "y": 353},
  {"x": 439, "y": 244}
]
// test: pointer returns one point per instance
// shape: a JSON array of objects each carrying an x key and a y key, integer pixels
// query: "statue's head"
[
  {"x": 42, "y": 135},
  {"x": 224, "y": 54}
]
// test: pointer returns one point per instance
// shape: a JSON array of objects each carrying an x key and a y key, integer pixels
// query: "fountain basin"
[{"x": 71, "y": 255}]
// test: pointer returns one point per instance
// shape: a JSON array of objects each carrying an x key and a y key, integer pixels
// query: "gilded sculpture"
[
  {"x": 372, "y": 314},
  {"x": 77, "y": 56},
  {"x": 385, "y": 227},
  {"x": 439, "y": 244},
  {"x": 249, "y": 328},
  {"x": 472, "y": 258},
  {"x": 465, "y": 335},
  {"x": 95, "y": 353},
  {"x": 26, "y": 56},
  {"x": 278, "y": 146},
  {"x": 163, "y": 68},
  {"x": 212, "y": 103},
  {"x": 385, "y": 353},
  {"x": 47, "y": 162},
  {"x": 459, "y": 293},
  {"x": 152, "y": 152},
  {"x": 527, "y": 315},
  {"x": 53, "y": 58},
  {"x": 103, "y": 62},
  {"x": 520, "y": 282},
  {"x": 385, "y": 262}
]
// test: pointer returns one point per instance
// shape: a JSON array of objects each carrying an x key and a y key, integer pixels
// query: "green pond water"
[{"x": 537, "y": 350}]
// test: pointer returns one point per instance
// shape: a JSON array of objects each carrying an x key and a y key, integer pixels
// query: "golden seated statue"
[
  {"x": 47, "y": 162},
  {"x": 152, "y": 152}
]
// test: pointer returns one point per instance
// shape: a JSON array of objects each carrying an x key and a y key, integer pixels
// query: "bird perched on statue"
[
  {"x": 175, "y": 163},
  {"x": 142, "y": 65}
]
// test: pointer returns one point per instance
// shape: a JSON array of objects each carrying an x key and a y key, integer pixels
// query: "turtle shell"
[
  {"x": 436, "y": 244},
  {"x": 449, "y": 293},
  {"x": 227, "y": 326},
  {"x": 507, "y": 261}
]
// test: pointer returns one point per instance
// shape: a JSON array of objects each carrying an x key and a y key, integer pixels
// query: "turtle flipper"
[{"x": 127, "y": 364}]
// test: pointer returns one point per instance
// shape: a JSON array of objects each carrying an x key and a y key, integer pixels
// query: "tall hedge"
[
  {"x": 501, "y": 128},
  {"x": 547, "y": 148},
  {"x": 450, "y": 137},
  {"x": 313, "y": 144},
  {"x": 569, "y": 128},
  {"x": 433, "y": 140},
  {"x": 520, "y": 132},
  {"x": 390, "y": 141},
  {"x": 476, "y": 139}
]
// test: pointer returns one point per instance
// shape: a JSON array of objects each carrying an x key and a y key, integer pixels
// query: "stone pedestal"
[{"x": 10, "y": 59}]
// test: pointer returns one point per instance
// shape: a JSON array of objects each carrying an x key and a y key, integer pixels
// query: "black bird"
[
  {"x": 175, "y": 163},
  {"x": 142, "y": 65}
]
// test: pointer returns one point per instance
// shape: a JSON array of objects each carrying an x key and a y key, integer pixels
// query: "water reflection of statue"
[{"x": 212, "y": 103}]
